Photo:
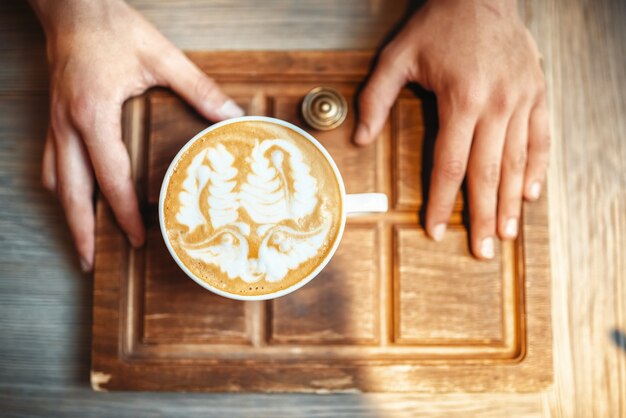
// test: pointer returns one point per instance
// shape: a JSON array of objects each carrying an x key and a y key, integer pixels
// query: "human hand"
[
  {"x": 484, "y": 67},
  {"x": 101, "y": 53}
]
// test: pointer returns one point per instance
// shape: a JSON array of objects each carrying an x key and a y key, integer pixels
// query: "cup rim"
[{"x": 295, "y": 286}]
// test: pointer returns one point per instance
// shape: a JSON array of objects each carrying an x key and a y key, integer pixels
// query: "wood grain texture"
[
  {"x": 45, "y": 313},
  {"x": 585, "y": 64},
  {"x": 462, "y": 303}
]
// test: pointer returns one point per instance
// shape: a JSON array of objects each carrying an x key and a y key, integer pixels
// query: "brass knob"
[{"x": 324, "y": 108}]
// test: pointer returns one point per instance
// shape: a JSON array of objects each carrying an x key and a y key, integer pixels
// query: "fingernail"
[
  {"x": 486, "y": 248},
  {"x": 439, "y": 231},
  {"x": 510, "y": 229},
  {"x": 84, "y": 265},
  {"x": 230, "y": 110},
  {"x": 360, "y": 135},
  {"x": 535, "y": 190}
]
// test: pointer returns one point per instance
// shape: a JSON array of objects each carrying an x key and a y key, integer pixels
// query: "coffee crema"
[{"x": 252, "y": 208}]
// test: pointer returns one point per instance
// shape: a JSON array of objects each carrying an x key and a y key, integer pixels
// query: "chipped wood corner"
[
  {"x": 334, "y": 384},
  {"x": 98, "y": 379}
]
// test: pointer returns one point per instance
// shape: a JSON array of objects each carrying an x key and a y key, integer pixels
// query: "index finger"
[
  {"x": 378, "y": 96},
  {"x": 101, "y": 131}
]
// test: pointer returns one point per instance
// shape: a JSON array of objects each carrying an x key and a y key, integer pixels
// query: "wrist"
[{"x": 60, "y": 17}]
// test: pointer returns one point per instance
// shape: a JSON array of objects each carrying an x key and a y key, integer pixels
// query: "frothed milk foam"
[{"x": 252, "y": 208}]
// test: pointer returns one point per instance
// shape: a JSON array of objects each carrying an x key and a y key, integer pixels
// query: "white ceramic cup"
[{"x": 353, "y": 204}]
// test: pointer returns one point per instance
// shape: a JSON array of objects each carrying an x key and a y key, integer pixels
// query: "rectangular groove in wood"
[
  {"x": 341, "y": 305},
  {"x": 506, "y": 321},
  {"x": 408, "y": 159}
]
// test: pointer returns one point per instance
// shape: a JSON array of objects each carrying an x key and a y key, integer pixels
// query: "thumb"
[
  {"x": 197, "y": 88},
  {"x": 378, "y": 96}
]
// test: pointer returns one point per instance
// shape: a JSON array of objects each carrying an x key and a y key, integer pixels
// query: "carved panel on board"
[
  {"x": 459, "y": 303},
  {"x": 341, "y": 304},
  {"x": 206, "y": 317}
]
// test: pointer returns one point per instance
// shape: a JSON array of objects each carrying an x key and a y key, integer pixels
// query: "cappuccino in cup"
[{"x": 252, "y": 208}]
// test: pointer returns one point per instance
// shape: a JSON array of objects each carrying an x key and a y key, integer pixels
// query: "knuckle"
[
  {"x": 525, "y": 97},
  {"x": 502, "y": 102},
  {"x": 58, "y": 119},
  {"x": 542, "y": 144},
  {"x": 82, "y": 110},
  {"x": 539, "y": 97},
  {"x": 114, "y": 187},
  {"x": 48, "y": 182},
  {"x": 453, "y": 170},
  {"x": 390, "y": 55},
  {"x": 399, "y": 58},
  {"x": 57, "y": 110},
  {"x": 386, "y": 56},
  {"x": 516, "y": 162},
  {"x": 540, "y": 82},
  {"x": 69, "y": 196},
  {"x": 367, "y": 97},
  {"x": 546, "y": 143},
  {"x": 469, "y": 98},
  {"x": 372, "y": 103},
  {"x": 205, "y": 87},
  {"x": 489, "y": 176}
]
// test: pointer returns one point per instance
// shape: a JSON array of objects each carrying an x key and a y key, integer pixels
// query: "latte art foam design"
[
  {"x": 266, "y": 195},
  {"x": 262, "y": 202}
]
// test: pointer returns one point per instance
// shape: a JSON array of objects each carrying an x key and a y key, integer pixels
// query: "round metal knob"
[{"x": 324, "y": 108}]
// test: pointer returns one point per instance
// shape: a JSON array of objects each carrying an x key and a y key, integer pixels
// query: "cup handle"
[{"x": 363, "y": 203}]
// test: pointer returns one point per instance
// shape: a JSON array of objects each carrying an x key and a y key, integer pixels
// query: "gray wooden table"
[{"x": 45, "y": 302}]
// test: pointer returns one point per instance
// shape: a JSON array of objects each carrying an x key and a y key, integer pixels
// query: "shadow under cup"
[{"x": 351, "y": 204}]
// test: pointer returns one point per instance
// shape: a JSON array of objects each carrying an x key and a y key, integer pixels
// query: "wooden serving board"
[{"x": 393, "y": 311}]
